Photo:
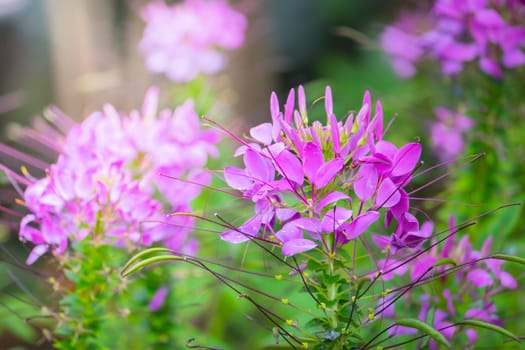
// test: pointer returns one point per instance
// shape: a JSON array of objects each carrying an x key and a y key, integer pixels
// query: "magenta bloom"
[
  {"x": 447, "y": 132},
  {"x": 188, "y": 38},
  {"x": 474, "y": 285},
  {"x": 462, "y": 32},
  {"x": 320, "y": 185},
  {"x": 401, "y": 41},
  {"x": 109, "y": 180}
]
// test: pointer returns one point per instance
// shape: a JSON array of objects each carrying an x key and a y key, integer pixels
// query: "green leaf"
[
  {"x": 425, "y": 328},
  {"x": 490, "y": 326}
]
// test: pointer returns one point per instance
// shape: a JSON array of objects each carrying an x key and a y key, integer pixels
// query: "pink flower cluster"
[
  {"x": 475, "y": 284},
  {"x": 188, "y": 38},
  {"x": 447, "y": 132},
  {"x": 491, "y": 31},
  {"x": 323, "y": 185},
  {"x": 109, "y": 180}
]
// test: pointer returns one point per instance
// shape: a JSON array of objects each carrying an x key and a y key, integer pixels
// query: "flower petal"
[
  {"x": 296, "y": 246},
  {"x": 406, "y": 159},
  {"x": 387, "y": 195},
  {"x": 290, "y": 167},
  {"x": 262, "y": 133},
  {"x": 361, "y": 224},
  {"x": 327, "y": 172},
  {"x": 236, "y": 178}
]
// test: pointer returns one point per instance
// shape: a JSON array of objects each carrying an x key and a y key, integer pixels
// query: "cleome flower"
[
  {"x": 187, "y": 38},
  {"x": 110, "y": 180},
  {"x": 447, "y": 132},
  {"x": 491, "y": 32},
  {"x": 321, "y": 185},
  {"x": 475, "y": 283}
]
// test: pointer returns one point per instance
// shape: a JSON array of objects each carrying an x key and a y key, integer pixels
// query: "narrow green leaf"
[
  {"x": 425, "y": 328},
  {"x": 149, "y": 261},
  {"x": 511, "y": 258},
  {"x": 490, "y": 326},
  {"x": 445, "y": 261},
  {"x": 141, "y": 254}
]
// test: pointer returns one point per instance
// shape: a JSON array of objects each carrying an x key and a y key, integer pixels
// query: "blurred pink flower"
[
  {"x": 188, "y": 38},
  {"x": 110, "y": 180},
  {"x": 461, "y": 31},
  {"x": 402, "y": 42},
  {"x": 447, "y": 132}
]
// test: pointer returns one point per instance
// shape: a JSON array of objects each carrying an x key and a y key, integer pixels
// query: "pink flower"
[
  {"x": 447, "y": 132},
  {"x": 302, "y": 178},
  {"x": 110, "y": 180},
  {"x": 401, "y": 41},
  {"x": 188, "y": 38},
  {"x": 460, "y": 32}
]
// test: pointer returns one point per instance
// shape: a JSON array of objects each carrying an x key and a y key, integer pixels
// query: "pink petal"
[
  {"x": 327, "y": 172},
  {"x": 308, "y": 224},
  {"x": 376, "y": 125},
  {"x": 361, "y": 224},
  {"x": 479, "y": 278},
  {"x": 335, "y": 219},
  {"x": 490, "y": 66},
  {"x": 406, "y": 159},
  {"x": 289, "y": 106},
  {"x": 262, "y": 133},
  {"x": 332, "y": 197},
  {"x": 312, "y": 160},
  {"x": 236, "y": 178},
  {"x": 36, "y": 253},
  {"x": 301, "y": 100},
  {"x": 364, "y": 118},
  {"x": 507, "y": 280},
  {"x": 158, "y": 299},
  {"x": 296, "y": 246},
  {"x": 258, "y": 167},
  {"x": 366, "y": 182},
  {"x": 289, "y": 232},
  {"x": 422, "y": 265},
  {"x": 274, "y": 105},
  {"x": 290, "y": 167},
  {"x": 387, "y": 195},
  {"x": 334, "y": 131},
  {"x": 244, "y": 232},
  {"x": 328, "y": 101}
]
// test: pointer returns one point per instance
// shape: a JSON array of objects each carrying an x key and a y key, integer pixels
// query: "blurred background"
[{"x": 80, "y": 54}]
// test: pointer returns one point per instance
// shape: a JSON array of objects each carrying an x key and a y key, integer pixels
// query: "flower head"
[
  {"x": 320, "y": 185},
  {"x": 447, "y": 132},
  {"x": 188, "y": 38},
  {"x": 475, "y": 281},
  {"x": 491, "y": 32},
  {"x": 110, "y": 180}
]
